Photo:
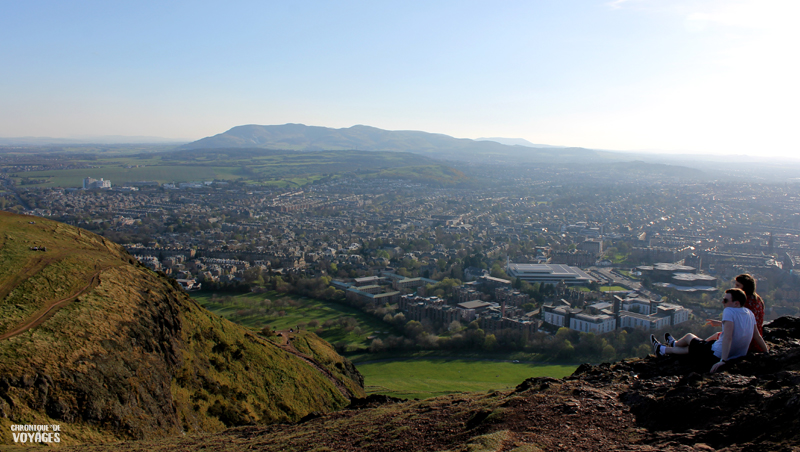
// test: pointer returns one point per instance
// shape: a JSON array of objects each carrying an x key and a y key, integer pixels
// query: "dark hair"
[
  {"x": 748, "y": 284},
  {"x": 738, "y": 295}
]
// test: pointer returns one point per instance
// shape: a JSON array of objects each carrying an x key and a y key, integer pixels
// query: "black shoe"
[
  {"x": 669, "y": 339},
  {"x": 656, "y": 346}
]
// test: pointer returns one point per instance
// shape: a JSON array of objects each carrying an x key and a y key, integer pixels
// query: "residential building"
[{"x": 589, "y": 323}]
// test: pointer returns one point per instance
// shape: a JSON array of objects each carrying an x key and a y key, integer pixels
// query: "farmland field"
[
  {"x": 431, "y": 377},
  {"x": 259, "y": 167},
  {"x": 119, "y": 175}
]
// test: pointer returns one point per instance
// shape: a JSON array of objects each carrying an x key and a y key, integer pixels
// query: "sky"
[{"x": 700, "y": 76}]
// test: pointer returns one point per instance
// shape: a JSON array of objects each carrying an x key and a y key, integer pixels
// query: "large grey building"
[{"x": 549, "y": 273}]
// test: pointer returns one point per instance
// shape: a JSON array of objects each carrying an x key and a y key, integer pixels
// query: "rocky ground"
[{"x": 643, "y": 404}]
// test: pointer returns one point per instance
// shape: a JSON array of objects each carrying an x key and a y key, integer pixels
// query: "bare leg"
[
  {"x": 681, "y": 346},
  {"x": 685, "y": 340}
]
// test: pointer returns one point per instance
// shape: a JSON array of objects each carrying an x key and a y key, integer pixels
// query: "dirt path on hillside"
[
  {"x": 50, "y": 308},
  {"x": 287, "y": 345},
  {"x": 32, "y": 268}
]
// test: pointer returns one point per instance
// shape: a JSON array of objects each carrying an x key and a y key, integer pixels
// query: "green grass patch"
[
  {"x": 619, "y": 258},
  {"x": 431, "y": 377},
  {"x": 612, "y": 288},
  {"x": 334, "y": 322}
]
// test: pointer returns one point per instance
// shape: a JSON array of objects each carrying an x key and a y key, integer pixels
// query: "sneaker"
[
  {"x": 669, "y": 339},
  {"x": 656, "y": 346}
]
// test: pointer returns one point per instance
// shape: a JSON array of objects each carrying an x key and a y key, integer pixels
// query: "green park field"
[
  {"x": 420, "y": 378},
  {"x": 604, "y": 289},
  {"x": 612, "y": 288},
  {"x": 336, "y": 323}
]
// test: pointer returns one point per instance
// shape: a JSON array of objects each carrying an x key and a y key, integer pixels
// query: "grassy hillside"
[
  {"x": 334, "y": 322},
  {"x": 102, "y": 346}
]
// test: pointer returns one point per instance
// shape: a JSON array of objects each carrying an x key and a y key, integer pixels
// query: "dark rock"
[
  {"x": 536, "y": 384},
  {"x": 751, "y": 401},
  {"x": 310, "y": 416},
  {"x": 477, "y": 418},
  {"x": 58, "y": 409},
  {"x": 372, "y": 401}
]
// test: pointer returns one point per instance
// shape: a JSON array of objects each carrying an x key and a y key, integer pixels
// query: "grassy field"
[
  {"x": 619, "y": 258},
  {"x": 612, "y": 288},
  {"x": 431, "y": 377},
  {"x": 603, "y": 289},
  {"x": 333, "y": 322}
]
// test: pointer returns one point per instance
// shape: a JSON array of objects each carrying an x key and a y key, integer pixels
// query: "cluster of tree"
[
  {"x": 565, "y": 345},
  {"x": 6, "y": 203},
  {"x": 32, "y": 181}
]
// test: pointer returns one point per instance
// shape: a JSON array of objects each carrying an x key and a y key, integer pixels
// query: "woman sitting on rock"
[{"x": 738, "y": 329}]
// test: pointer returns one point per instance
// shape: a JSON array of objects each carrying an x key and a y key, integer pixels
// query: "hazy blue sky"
[{"x": 705, "y": 76}]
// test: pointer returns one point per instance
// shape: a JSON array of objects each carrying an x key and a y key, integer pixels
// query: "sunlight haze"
[{"x": 711, "y": 77}]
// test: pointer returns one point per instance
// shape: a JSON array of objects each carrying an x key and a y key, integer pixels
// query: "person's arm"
[
  {"x": 762, "y": 344},
  {"x": 727, "y": 340},
  {"x": 713, "y": 322}
]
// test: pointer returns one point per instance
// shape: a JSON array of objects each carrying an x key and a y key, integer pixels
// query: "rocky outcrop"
[{"x": 753, "y": 403}]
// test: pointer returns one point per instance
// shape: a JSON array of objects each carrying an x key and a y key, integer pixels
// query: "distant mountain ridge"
[
  {"x": 518, "y": 142},
  {"x": 300, "y": 137}
]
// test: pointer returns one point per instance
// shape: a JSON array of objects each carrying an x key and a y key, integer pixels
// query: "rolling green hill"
[{"x": 98, "y": 344}]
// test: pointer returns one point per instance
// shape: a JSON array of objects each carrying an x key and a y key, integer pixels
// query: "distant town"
[{"x": 525, "y": 255}]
